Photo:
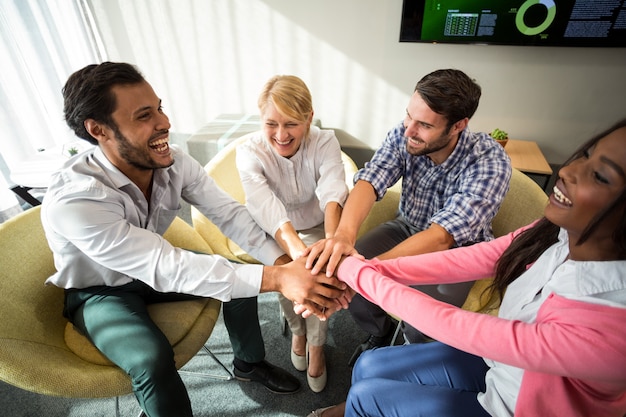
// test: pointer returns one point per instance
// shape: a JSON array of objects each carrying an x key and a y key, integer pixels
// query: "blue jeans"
[{"x": 418, "y": 380}]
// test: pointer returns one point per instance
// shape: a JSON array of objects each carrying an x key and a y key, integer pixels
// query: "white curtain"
[{"x": 42, "y": 43}]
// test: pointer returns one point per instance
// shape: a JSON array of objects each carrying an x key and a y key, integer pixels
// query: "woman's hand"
[
  {"x": 318, "y": 293},
  {"x": 326, "y": 254}
]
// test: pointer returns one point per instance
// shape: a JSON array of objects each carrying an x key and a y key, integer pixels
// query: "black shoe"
[
  {"x": 272, "y": 377},
  {"x": 371, "y": 343}
]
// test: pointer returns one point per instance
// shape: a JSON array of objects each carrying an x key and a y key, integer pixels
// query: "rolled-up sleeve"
[{"x": 331, "y": 186}]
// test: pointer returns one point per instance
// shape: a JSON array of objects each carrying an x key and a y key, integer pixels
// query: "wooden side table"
[{"x": 527, "y": 157}]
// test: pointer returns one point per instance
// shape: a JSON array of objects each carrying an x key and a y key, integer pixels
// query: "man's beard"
[
  {"x": 434, "y": 146},
  {"x": 133, "y": 155}
]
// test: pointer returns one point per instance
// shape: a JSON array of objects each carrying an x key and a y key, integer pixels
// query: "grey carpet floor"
[{"x": 212, "y": 397}]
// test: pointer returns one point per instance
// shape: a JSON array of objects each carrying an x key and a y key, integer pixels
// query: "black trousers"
[{"x": 373, "y": 319}]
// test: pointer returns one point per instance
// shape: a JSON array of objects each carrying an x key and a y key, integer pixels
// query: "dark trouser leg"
[
  {"x": 241, "y": 317},
  {"x": 454, "y": 294},
  {"x": 115, "y": 319},
  {"x": 371, "y": 318}
]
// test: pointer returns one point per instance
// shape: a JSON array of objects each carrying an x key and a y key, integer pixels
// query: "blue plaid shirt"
[{"x": 462, "y": 195}]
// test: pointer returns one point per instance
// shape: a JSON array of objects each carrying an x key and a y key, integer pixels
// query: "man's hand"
[
  {"x": 316, "y": 292},
  {"x": 343, "y": 301},
  {"x": 328, "y": 253}
]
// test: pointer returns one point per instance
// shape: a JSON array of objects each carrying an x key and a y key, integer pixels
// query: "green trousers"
[{"x": 116, "y": 321}]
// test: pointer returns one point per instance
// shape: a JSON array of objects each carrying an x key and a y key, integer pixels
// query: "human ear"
[
  {"x": 95, "y": 129},
  {"x": 459, "y": 126}
]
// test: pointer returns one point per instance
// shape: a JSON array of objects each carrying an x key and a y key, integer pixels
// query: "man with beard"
[
  {"x": 104, "y": 215},
  {"x": 453, "y": 182}
]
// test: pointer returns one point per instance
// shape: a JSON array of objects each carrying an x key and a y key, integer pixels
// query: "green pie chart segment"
[{"x": 530, "y": 31}]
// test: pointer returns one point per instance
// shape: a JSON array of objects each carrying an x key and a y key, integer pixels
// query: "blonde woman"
[{"x": 295, "y": 187}]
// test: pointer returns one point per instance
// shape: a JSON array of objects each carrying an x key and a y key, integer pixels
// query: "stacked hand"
[
  {"x": 327, "y": 254},
  {"x": 315, "y": 293},
  {"x": 322, "y": 259}
]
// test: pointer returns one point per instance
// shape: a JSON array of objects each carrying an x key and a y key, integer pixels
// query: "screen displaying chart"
[{"x": 599, "y": 23}]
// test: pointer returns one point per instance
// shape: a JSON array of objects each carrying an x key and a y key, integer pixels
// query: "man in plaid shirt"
[{"x": 453, "y": 182}]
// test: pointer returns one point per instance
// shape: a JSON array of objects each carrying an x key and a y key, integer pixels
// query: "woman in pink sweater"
[{"x": 558, "y": 345}]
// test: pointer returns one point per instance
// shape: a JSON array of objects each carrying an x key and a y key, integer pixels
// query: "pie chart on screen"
[{"x": 535, "y": 30}]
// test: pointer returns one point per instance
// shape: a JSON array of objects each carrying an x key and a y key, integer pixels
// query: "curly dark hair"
[
  {"x": 87, "y": 94},
  {"x": 529, "y": 245},
  {"x": 451, "y": 93}
]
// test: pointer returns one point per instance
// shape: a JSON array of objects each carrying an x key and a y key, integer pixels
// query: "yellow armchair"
[
  {"x": 41, "y": 352},
  {"x": 384, "y": 210},
  {"x": 523, "y": 204}
]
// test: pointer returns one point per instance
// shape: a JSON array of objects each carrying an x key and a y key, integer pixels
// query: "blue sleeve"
[{"x": 386, "y": 166}]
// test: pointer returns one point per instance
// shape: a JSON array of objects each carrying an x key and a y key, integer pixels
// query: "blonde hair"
[{"x": 289, "y": 95}]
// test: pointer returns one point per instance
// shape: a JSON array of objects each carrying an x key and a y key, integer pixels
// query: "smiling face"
[
  {"x": 586, "y": 187},
  {"x": 138, "y": 143},
  {"x": 283, "y": 133},
  {"x": 427, "y": 132}
]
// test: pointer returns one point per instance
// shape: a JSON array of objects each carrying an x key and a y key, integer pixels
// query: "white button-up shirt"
[
  {"x": 593, "y": 282},
  {"x": 295, "y": 189},
  {"x": 102, "y": 231}
]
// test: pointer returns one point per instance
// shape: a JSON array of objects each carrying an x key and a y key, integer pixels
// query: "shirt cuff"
[{"x": 248, "y": 281}]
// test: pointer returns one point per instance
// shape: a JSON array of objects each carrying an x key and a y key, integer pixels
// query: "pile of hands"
[{"x": 316, "y": 288}]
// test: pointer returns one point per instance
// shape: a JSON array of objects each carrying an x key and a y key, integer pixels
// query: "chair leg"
[
  {"x": 227, "y": 377},
  {"x": 117, "y": 406},
  {"x": 117, "y": 409},
  {"x": 282, "y": 319},
  {"x": 396, "y": 333}
]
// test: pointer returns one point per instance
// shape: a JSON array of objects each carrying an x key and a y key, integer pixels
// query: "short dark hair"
[
  {"x": 451, "y": 93},
  {"x": 87, "y": 94}
]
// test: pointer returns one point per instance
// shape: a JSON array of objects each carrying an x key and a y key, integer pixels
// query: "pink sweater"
[{"x": 574, "y": 355}]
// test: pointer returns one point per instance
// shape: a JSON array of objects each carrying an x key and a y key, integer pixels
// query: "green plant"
[
  {"x": 498, "y": 134},
  {"x": 72, "y": 151}
]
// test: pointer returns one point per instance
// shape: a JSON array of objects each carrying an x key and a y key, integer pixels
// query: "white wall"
[{"x": 206, "y": 57}]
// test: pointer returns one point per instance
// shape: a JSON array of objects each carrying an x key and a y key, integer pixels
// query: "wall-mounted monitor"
[{"x": 589, "y": 23}]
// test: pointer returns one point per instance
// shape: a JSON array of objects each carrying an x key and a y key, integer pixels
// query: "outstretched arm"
[
  {"x": 288, "y": 239},
  {"x": 433, "y": 239},
  {"x": 570, "y": 338},
  {"x": 326, "y": 254},
  {"x": 467, "y": 263}
]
